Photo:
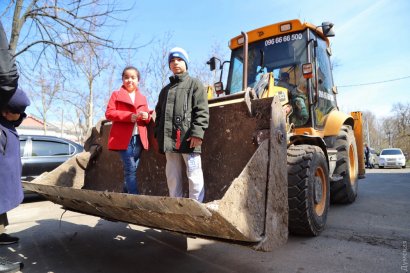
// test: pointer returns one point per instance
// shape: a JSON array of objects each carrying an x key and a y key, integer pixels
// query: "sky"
[{"x": 372, "y": 42}]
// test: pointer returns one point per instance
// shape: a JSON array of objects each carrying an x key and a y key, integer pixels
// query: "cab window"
[{"x": 326, "y": 99}]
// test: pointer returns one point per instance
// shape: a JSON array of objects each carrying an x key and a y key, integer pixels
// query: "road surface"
[{"x": 370, "y": 235}]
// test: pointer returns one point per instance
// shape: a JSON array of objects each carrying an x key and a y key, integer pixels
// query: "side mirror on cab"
[
  {"x": 219, "y": 87},
  {"x": 212, "y": 63},
  {"x": 327, "y": 28}
]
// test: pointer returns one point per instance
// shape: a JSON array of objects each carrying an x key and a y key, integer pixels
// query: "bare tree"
[
  {"x": 49, "y": 86},
  {"x": 55, "y": 29},
  {"x": 202, "y": 72},
  {"x": 371, "y": 134},
  {"x": 156, "y": 71},
  {"x": 388, "y": 131},
  {"x": 53, "y": 35},
  {"x": 401, "y": 125},
  {"x": 110, "y": 85},
  {"x": 402, "y": 117},
  {"x": 90, "y": 68},
  {"x": 392, "y": 131}
]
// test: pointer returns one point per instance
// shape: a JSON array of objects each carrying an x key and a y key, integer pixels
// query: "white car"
[{"x": 392, "y": 157}]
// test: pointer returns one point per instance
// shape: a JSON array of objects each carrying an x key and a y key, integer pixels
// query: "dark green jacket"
[{"x": 182, "y": 106}]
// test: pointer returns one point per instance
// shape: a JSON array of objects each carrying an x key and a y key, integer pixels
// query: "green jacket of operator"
[{"x": 181, "y": 112}]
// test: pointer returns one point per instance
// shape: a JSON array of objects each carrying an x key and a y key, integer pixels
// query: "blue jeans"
[{"x": 130, "y": 158}]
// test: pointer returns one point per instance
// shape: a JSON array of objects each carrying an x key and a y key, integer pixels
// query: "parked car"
[
  {"x": 44, "y": 153},
  {"x": 392, "y": 157}
]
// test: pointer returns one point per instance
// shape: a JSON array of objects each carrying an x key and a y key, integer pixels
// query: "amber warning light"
[{"x": 285, "y": 27}]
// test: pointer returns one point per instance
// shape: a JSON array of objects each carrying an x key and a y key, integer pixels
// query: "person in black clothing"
[{"x": 367, "y": 155}]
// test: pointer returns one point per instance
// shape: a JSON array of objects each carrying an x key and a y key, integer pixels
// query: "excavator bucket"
[{"x": 244, "y": 164}]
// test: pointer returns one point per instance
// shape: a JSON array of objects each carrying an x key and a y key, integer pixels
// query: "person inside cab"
[
  {"x": 298, "y": 99},
  {"x": 284, "y": 81}
]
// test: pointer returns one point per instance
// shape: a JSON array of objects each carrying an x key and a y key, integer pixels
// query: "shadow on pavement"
[{"x": 60, "y": 247}]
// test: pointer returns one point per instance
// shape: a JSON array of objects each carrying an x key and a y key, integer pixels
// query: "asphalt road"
[{"x": 370, "y": 235}]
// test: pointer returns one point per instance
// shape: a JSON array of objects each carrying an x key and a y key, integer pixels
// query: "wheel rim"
[
  {"x": 320, "y": 191},
  {"x": 352, "y": 165}
]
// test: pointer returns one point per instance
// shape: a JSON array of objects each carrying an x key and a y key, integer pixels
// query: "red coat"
[{"x": 119, "y": 111}]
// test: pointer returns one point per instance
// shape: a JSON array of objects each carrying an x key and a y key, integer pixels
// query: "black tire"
[
  {"x": 345, "y": 190},
  {"x": 381, "y": 167},
  {"x": 308, "y": 189}
]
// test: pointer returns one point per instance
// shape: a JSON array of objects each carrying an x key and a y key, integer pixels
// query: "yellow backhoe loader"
[{"x": 276, "y": 154}]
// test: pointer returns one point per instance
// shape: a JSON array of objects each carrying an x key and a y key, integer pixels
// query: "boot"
[
  {"x": 6, "y": 239},
  {"x": 9, "y": 267}
]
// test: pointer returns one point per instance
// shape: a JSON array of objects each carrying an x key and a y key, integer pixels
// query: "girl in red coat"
[{"x": 128, "y": 111}]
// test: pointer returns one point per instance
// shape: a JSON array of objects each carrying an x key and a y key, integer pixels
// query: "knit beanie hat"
[
  {"x": 178, "y": 52},
  {"x": 19, "y": 101}
]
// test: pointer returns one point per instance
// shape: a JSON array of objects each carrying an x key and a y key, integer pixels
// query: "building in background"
[{"x": 35, "y": 126}]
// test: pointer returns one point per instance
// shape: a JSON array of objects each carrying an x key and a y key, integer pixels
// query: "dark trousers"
[
  {"x": 130, "y": 159},
  {"x": 3, "y": 222}
]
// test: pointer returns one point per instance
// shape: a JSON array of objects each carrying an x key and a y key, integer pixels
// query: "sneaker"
[
  {"x": 6, "y": 239},
  {"x": 9, "y": 267}
]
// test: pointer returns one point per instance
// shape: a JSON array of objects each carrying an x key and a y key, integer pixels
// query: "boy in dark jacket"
[{"x": 182, "y": 117}]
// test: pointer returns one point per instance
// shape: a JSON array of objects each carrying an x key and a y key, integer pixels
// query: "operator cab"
[{"x": 298, "y": 60}]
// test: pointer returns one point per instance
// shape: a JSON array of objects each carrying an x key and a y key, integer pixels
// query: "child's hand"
[
  {"x": 142, "y": 115},
  {"x": 195, "y": 141},
  {"x": 134, "y": 117}
]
